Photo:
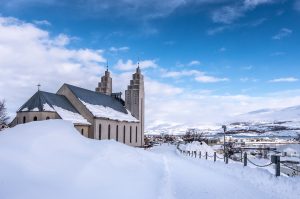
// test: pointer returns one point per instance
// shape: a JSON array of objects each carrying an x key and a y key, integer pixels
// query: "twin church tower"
[{"x": 134, "y": 95}]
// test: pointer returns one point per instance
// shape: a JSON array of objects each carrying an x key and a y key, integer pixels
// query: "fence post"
[
  {"x": 241, "y": 156},
  {"x": 278, "y": 166},
  {"x": 200, "y": 155},
  {"x": 206, "y": 155},
  {"x": 226, "y": 156},
  {"x": 215, "y": 156},
  {"x": 195, "y": 154},
  {"x": 245, "y": 159}
]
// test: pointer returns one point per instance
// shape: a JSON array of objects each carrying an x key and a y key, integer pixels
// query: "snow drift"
[{"x": 51, "y": 160}]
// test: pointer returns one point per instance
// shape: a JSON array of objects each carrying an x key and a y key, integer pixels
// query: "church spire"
[
  {"x": 138, "y": 70},
  {"x": 105, "y": 86}
]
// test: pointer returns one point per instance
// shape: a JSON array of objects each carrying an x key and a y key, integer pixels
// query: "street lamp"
[{"x": 224, "y": 128}]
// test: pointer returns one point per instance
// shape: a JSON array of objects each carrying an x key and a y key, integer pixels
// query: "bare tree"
[
  {"x": 193, "y": 135},
  {"x": 3, "y": 113}
]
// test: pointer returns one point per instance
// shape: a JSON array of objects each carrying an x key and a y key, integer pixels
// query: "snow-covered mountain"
[
  {"x": 269, "y": 122},
  {"x": 284, "y": 114}
]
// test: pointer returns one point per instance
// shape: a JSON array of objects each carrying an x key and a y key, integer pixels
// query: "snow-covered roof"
[
  {"x": 107, "y": 112},
  {"x": 101, "y": 105},
  {"x": 45, "y": 101}
]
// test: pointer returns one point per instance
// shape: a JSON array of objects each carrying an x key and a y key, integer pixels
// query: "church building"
[{"x": 99, "y": 114}]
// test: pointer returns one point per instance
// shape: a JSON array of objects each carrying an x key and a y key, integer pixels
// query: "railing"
[{"x": 245, "y": 160}]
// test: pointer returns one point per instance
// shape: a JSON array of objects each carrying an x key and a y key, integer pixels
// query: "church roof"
[
  {"x": 96, "y": 98},
  {"x": 101, "y": 105},
  {"x": 43, "y": 101}
]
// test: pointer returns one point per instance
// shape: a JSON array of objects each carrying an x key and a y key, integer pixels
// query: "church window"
[
  {"x": 35, "y": 118},
  {"x": 47, "y": 118},
  {"x": 136, "y": 134},
  {"x": 117, "y": 133},
  {"x": 82, "y": 132},
  {"x": 100, "y": 131},
  {"x": 24, "y": 119},
  {"x": 109, "y": 131},
  {"x": 124, "y": 134},
  {"x": 130, "y": 134}
]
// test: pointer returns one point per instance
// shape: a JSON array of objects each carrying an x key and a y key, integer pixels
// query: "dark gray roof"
[
  {"x": 41, "y": 97},
  {"x": 96, "y": 98}
]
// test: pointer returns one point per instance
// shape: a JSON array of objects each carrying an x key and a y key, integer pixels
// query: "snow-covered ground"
[{"x": 50, "y": 159}]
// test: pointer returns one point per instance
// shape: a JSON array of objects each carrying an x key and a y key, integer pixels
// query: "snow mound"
[
  {"x": 50, "y": 159},
  {"x": 197, "y": 146}
]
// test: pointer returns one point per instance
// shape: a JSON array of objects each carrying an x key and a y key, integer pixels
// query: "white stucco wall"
[{"x": 135, "y": 140}]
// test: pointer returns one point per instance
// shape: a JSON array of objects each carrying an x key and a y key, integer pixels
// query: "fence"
[{"x": 275, "y": 159}]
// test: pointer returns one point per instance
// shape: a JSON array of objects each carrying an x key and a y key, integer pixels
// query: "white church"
[{"x": 99, "y": 114}]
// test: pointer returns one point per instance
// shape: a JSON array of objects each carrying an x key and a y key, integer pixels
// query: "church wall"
[
  {"x": 113, "y": 131},
  {"x": 30, "y": 116},
  {"x": 83, "y": 130}
]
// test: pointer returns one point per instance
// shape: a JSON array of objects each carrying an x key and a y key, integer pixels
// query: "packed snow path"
[
  {"x": 51, "y": 160},
  {"x": 193, "y": 178}
]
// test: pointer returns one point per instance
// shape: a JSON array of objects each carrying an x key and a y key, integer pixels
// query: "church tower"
[
  {"x": 135, "y": 97},
  {"x": 105, "y": 86}
]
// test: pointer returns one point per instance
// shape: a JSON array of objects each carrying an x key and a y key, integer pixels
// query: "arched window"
[
  {"x": 82, "y": 132},
  {"x": 124, "y": 134},
  {"x": 130, "y": 134},
  {"x": 136, "y": 134},
  {"x": 35, "y": 118},
  {"x": 47, "y": 118},
  {"x": 117, "y": 133},
  {"x": 109, "y": 131},
  {"x": 100, "y": 131},
  {"x": 24, "y": 119}
]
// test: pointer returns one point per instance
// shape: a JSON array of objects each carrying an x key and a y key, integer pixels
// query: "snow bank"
[
  {"x": 107, "y": 112},
  {"x": 50, "y": 159},
  {"x": 197, "y": 146}
]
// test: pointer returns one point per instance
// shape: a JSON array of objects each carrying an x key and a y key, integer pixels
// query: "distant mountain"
[{"x": 284, "y": 114}]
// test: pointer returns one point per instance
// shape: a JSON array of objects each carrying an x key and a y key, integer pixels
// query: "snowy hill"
[
  {"x": 284, "y": 114},
  {"x": 50, "y": 159},
  {"x": 267, "y": 122}
]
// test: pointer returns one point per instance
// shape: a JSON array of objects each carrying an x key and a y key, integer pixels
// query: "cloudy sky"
[{"x": 203, "y": 60}]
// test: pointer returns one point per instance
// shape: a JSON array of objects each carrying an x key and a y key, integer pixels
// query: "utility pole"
[{"x": 224, "y": 128}]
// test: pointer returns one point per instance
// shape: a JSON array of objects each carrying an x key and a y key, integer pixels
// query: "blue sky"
[{"x": 247, "y": 49}]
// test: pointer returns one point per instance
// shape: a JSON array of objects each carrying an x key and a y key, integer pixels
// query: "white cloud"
[
  {"x": 284, "y": 32},
  {"x": 227, "y": 14},
  {"x": 247, "y": 79},
  {"x": 194, "y": 63},
  {"x": 120, "y": 49},
  {"x": 216, "y": 30},
  {"x": 199, "y": 76},
  {"x": 42, "y": 22},
  {"x": 130, "y": 65},
  {"x": 210, "y": 79},
  {"x": 29, "y": 55},
  {"x": 230, "y": 13},
  {"x": 284, "y": 79}
]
